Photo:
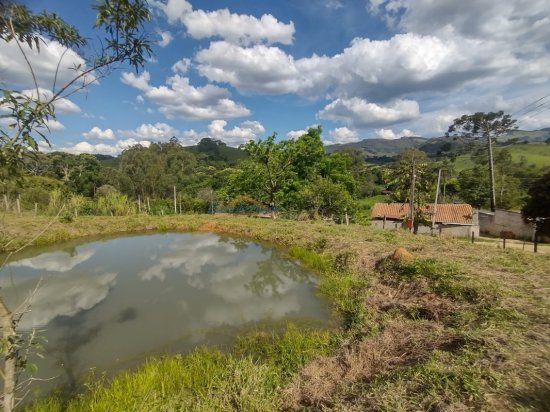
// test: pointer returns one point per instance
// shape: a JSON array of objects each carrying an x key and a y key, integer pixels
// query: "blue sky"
[{"x": 244, "y": 69}]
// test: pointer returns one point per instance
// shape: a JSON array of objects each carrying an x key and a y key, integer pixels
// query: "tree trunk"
[
  {"x": 8, "y": 335},
  {"x": 492, "y": 172}
]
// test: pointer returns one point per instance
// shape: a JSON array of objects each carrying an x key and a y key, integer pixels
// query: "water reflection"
[
  {"x": 125, "y": 298},
  {"x": 56, "y": 262}
]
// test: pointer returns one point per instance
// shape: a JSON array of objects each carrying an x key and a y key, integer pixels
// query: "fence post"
[
  {"x": 6, "y": 203},
  {"x": 18, "y": 203},
  {"x": 36, "y": 209},
  {"x": 139, "y": 204},
  {"x": 473, "y": 236}
]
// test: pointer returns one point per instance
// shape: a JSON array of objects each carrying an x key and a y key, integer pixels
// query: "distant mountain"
[
  {"x": 384, "y": 150},
  {"x": 374, "y": 148},
  {"x": 216, "y": 150}
]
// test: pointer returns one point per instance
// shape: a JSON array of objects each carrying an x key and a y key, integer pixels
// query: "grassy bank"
[{"x": 460, "y": 327}]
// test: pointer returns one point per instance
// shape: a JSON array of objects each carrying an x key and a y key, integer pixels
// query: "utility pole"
[
  {"x": 175, "y": 202},
  {"x": 493, "y": 196},
  {"x": 436, "y": 198},
  {"x": 411, "y": 202}
]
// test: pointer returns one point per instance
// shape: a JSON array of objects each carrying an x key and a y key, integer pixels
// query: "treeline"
[{"x": 293, "y": 177}]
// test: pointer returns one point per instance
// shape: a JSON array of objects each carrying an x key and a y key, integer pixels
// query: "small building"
[{"x": 454, "y": 220}]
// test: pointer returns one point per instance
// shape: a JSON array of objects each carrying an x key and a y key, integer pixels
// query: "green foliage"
[{"x": 115, "y": 204}]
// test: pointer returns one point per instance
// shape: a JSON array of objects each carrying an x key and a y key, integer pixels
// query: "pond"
[{"x": 109, "y": 304}]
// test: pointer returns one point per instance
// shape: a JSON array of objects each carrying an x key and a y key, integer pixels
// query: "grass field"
[
  {"x": 459, "y": 327},
  {"x": 537, "y": 154}
]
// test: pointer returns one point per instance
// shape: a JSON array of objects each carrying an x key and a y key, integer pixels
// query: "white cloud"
[
  {"x": 242, "y": 133},
  {"x": 361, "y": 114},
  {"x": 262, "y": 69},
  {"x": 235, "y": 28},
  {"x": 165, "y": 38},
  {"x": 140, "y": 82},
  {"x": 179, "y": 99},
  {"x": 15, "y": 70},
  {"x": 151, "y": 132},
  {"x": 390, "y": 135},
  {"x": 333, "y": 4},
  {"x": 62, "y": 105},
  {"x": 97, "y": 134},
  {"x": 342, "y": 135},
  {"x": 54, "y": 125},
  {"x": 181, "y": 66},
  {"x": 295, "y": 134},
  {"x": 103, "y": 148},
  {"x": 518, "y": 23},
  {"x": 377, "y": 69}
]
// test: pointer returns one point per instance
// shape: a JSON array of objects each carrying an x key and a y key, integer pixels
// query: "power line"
[{"x": 530, "y": 104}]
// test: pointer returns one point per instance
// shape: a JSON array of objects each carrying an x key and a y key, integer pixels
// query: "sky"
[{"x": 244, "y": 69}]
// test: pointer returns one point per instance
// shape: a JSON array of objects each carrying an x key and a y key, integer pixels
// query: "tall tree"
[{"x": 486, "y": 126}]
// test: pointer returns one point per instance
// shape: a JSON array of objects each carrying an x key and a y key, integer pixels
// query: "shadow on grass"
[{"x": 537, "y": 399}]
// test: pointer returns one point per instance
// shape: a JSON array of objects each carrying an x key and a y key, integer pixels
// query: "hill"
[
  {"x": 537, "y": 154},
  {"x": 380, "y": 150},
  {"x": 216, "y": 150}
]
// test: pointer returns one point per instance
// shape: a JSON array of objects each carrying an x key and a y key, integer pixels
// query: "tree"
[
  {"x": 412, "y": 180},
  {"x": 537, "y": 208},
  {"x": 28, "y": 114},
  {"x": 486, "y": 126}
]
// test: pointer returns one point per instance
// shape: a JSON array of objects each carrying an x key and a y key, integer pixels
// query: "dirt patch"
[
  {"x": 412, "y": 300},
  {"x": 399, "y": 344},
  {"x": 208, "y": 226},
  {"x": 402, "y": 255}
]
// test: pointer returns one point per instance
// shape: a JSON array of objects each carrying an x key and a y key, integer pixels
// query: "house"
[{"x": 455, "y": 220}]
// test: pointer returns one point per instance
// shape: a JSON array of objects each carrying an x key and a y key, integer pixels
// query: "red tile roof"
[{"x": 461, "y": 214}]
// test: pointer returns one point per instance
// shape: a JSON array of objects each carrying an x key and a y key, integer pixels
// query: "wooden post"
[
  {"x": 504, "y": 243},
  {"x": 36, "y": 209},
  {"x": 436, "y": 198},
  {"x": 346, "y": 215},
  {"x": 6, "y": 203},
  {"x": 384, "y": 222},
  {"x": 175, "y": 202},
  {"x": 18, "y": 203},
  {"x": 211, "y": 202},
  {"x": 472, "y": 236},
  {"x": 139, "y": 204},
  {"x": 75, "y": 212},
  {"x": 535, "y": 244},
  {"x": 148, "y": 206}
]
